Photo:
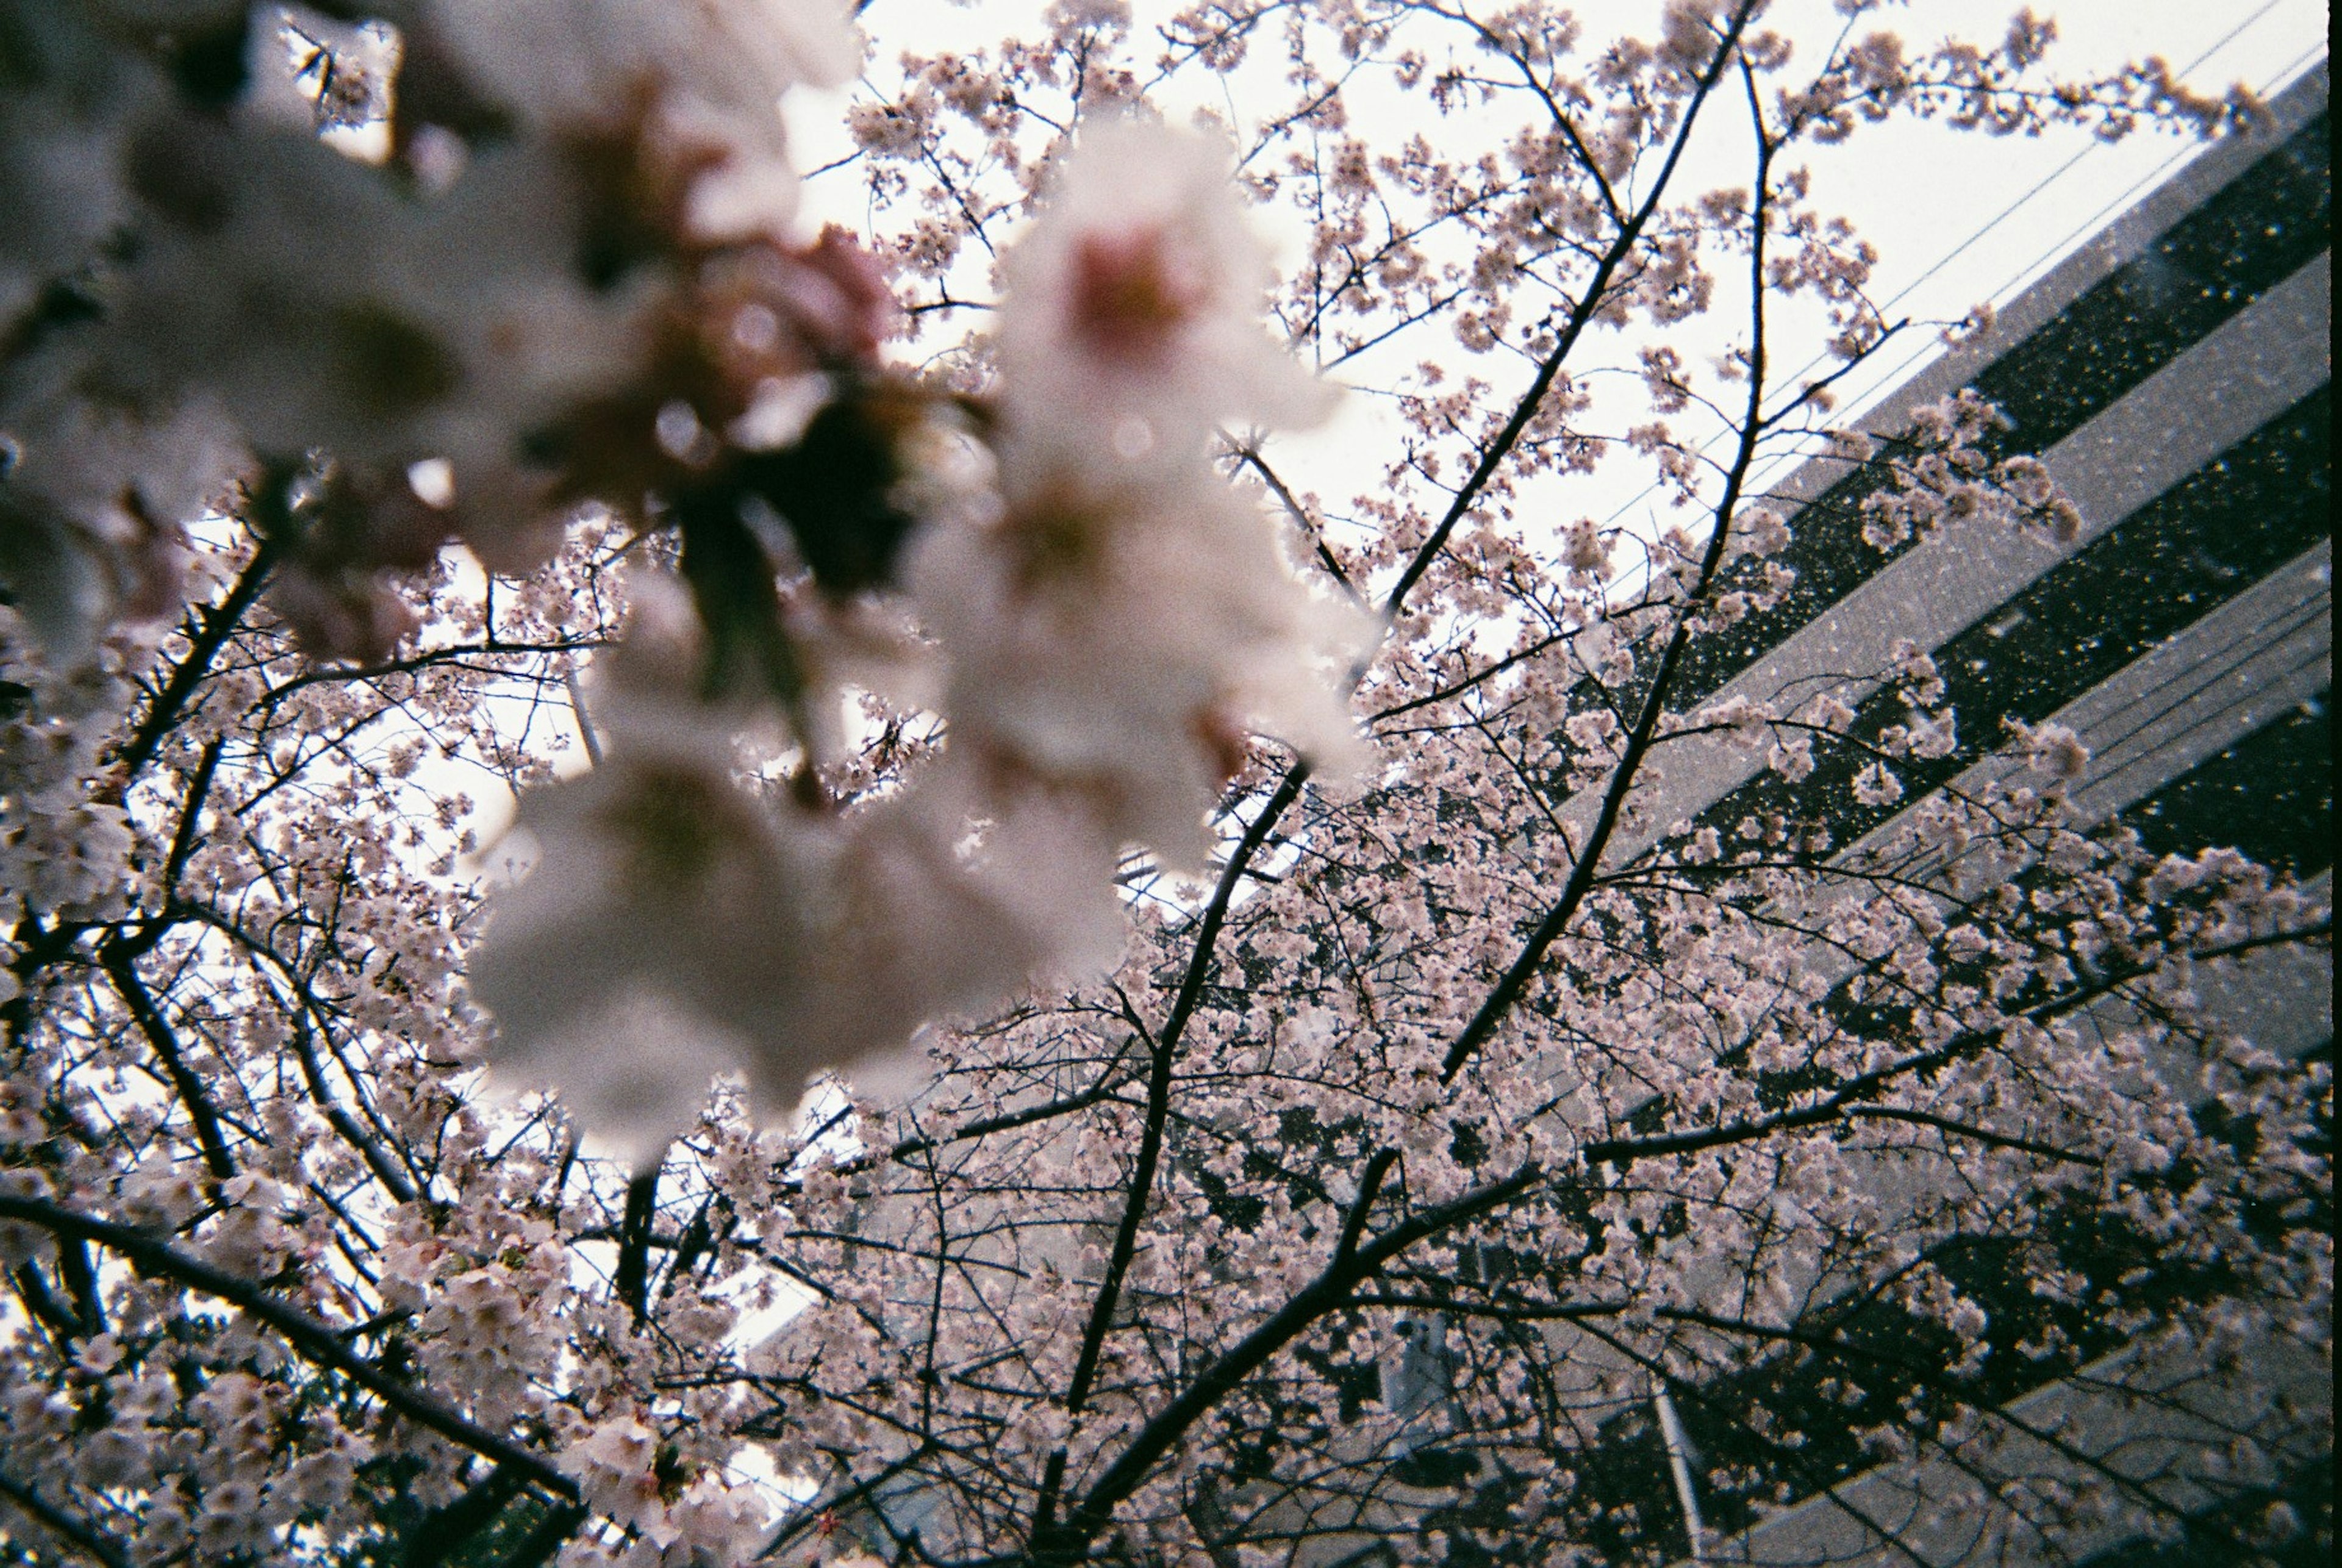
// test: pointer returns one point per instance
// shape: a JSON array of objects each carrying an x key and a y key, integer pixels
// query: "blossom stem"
[
  {"x": 204, "y": 644},
  {"x": 84, "y": 1536},
  {"x": 1581, "y": 314},
  {"x": 313, "y": 1339}
]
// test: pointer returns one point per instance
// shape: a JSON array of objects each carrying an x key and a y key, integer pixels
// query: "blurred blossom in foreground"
[
  {"x": 1107, "y": 621},
  {"x": 556, "y": 275}
]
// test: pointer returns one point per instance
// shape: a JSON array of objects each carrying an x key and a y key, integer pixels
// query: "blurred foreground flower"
[{"x": 1110, "y": 620}]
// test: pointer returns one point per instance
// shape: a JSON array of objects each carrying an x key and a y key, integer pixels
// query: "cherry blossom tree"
[{"x": 1051, "y": 989}]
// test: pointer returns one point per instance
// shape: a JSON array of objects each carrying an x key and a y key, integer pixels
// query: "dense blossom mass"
[{"x": 682, "y": 886}]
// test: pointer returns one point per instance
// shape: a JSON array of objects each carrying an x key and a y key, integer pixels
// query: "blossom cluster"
[
  {"x": 1095, "y": 617},
  {"x": 562, "y": 276},
  {"x": 1356, "y": 1200},
  {"x": 442, "y": 332}
]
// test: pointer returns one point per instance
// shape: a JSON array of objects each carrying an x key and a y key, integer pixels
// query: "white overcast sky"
[
  {"x": 1989, "y": 214},
  {"x": 1993, "y": 213}
]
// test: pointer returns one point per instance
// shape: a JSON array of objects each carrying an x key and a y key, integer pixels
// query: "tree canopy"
[{"x": 685, "y": 887}]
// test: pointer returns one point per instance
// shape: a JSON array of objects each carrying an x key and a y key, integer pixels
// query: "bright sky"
[
  {"x": 1986, "y": 217},
  {"x": 1994, "y": 213}
]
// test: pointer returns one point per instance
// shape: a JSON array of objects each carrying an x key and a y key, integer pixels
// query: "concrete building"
[{"x": 2175, "y": 376}]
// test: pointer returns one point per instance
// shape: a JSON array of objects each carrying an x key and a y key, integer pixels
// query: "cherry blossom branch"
[
  {"x": 1954, "y": 1128},
  {"x": 1554, "y": 111},
  {"x": 122, "y": 969},
  {"x": 1581, "y": 314},
  {"x": 1215, "y": 914},
  {"x": 1125, "y": 1247},
  {"x": 191, "y": 809},
  {"x": 316, "y": 1341},
  {"x": 1249, "y": 455},
  {"x": 1103, "y": 1090},
  {"x": 456, "y": 657},
  {"x": 204, "y": 640},
  {"x": 1486, "y": 672},
  {"x": 78, "y": 1534},
  {"x": 311, "y": 1009},
  {"x": 1846, "y": 1099},
  {"x": 1202, "y": 1394},
  {"x": 1067, "y": 1543},
  {"x": 31, "y": 1288},
  {"x": 1516, "y": 980},
  {"x": 1163, "y": 1059},
  {"x": 377, "y": 1158}
]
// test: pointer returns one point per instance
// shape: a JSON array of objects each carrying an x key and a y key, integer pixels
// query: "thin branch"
[
  {"x": 79, "y": 1533},
  {"x": 1068, "y": 1542},
  {"x": 122, "y": 969},
  {"x": 1515, "y": 983},
  {"x": 1840, "y": 1102},
  {"x": 1581, "y": 316},
  {"x": 204, "y": 640},
  {"x": 316, "y": 1341}
]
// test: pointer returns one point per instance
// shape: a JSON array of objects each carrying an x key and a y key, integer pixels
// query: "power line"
[{"x": 2047, "y": 257}]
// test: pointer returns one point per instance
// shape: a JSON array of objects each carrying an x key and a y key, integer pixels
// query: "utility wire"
[{"x": 2046, "y": 258}]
